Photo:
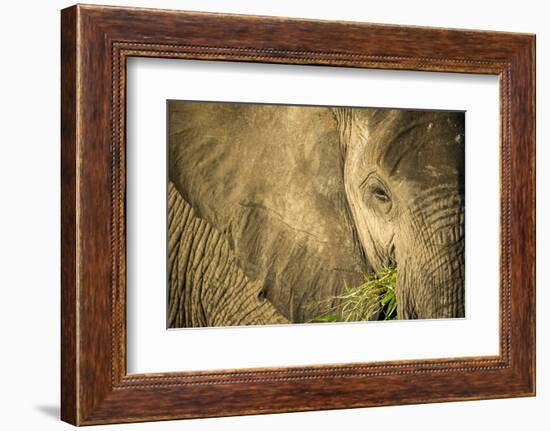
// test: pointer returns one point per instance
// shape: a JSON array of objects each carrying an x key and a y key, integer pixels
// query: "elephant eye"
[
  {"x": 380, "y": 194},
  {"x": 377, "y": 195}
]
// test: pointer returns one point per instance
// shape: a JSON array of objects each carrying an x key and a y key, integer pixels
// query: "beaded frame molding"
[{"x": 95, "y": 43}]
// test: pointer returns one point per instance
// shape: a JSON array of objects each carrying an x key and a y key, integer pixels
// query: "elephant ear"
[{"x": 269, "y": 178}]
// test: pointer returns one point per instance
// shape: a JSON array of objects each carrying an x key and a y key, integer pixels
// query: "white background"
[
  {"x": 151, "y": 348},
  {"x": 29, "y": 216}
]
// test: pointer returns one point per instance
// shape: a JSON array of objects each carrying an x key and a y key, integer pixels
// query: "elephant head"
[{"x": 404, "y": 182}]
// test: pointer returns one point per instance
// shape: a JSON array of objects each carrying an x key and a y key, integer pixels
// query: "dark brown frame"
[{"x": 95, "y": 43}]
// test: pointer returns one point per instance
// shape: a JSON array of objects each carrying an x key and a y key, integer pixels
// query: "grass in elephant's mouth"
[{"x": 376, "y": 296}]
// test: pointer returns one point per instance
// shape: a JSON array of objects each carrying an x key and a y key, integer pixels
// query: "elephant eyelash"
[
  {"x": 376, "y": 193},
  {"x": 380, "y": 194}
]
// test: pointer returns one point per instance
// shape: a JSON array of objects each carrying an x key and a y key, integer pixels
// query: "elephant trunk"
[{"x": 431, "y": 270}]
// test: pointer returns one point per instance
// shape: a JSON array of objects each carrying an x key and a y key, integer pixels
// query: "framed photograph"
[{"x": 264, "y": 214}]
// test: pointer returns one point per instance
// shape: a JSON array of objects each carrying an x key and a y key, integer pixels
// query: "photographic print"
[{"x": 282, "y": 214}]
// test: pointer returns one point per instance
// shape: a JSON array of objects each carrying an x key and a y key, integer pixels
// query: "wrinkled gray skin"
[
  {"x": 404, "y": 181},
  {"x": 207, "y": 287},
  {"x": 283, "y": 204}
]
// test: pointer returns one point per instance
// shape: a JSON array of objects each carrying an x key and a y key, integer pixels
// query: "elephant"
[{"x": 274, "y": 208}]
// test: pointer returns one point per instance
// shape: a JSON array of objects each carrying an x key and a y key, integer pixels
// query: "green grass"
[{"x": 375, "y": 296}]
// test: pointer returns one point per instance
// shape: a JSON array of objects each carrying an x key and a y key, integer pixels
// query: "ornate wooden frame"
[{"x": 95, "y": 43}]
